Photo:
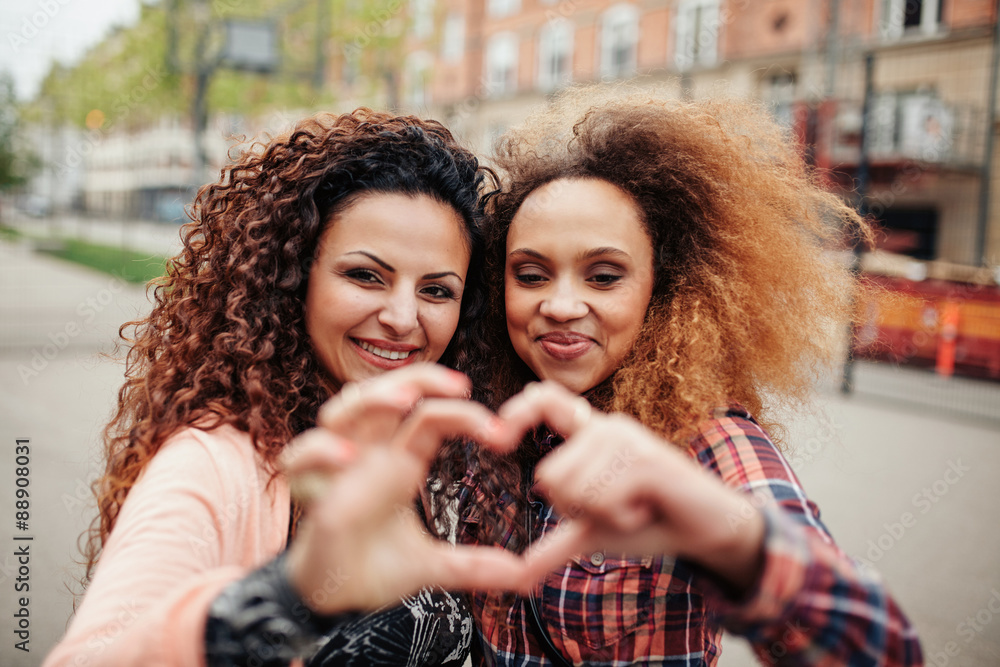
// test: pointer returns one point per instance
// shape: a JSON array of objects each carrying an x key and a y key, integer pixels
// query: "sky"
[{"x": 34, "y": 33}]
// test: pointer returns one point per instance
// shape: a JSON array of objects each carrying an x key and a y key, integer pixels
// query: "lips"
[
  {"x": 384, "y": 354},
  {"x": 565, "y": 345}
]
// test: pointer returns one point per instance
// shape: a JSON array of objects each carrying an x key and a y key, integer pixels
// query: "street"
[{"x": 912, "y": 491}]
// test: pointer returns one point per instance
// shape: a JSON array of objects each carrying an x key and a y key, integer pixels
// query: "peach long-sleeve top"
[{"x": 201, "y": 516}]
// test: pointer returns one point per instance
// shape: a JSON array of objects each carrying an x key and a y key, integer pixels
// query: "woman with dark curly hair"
[
  {"x": 317, "y": 262},
  {"x": 669, "y": 263}
]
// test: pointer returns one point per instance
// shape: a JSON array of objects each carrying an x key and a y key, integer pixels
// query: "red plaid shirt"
[{"x": 812, "y": 605}]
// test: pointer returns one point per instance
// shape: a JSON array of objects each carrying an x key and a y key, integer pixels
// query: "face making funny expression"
[
  {"x": 386, "y": 288},
  {"x": 578, "y": 280}
]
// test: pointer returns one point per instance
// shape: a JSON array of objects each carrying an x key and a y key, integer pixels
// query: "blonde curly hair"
[{"x": 749, "y": 303}]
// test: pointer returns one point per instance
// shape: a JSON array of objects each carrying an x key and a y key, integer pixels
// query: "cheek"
[
  {"x": 313, "y": 310},
  {"x": 626, "y": 317},
  {"x": 518, "y": 307},
  {"x": 333, "y": 308},
  {"x": 443, "y": 326}
]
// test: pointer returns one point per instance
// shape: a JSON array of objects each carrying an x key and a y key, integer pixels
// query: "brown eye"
[
  {"x": 605, "y": 279},
  {"x": 529, "y": 278},
  {"x": 438, "y": 292},
  {"x": 363, "y": 276}
]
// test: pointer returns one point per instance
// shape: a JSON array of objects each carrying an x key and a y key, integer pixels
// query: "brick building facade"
[{"x": 482, "y": 65}]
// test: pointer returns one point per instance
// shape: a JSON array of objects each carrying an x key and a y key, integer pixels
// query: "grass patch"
[
  {"x": 130, "y": 265},
  {"x": 9, "y": 233}
]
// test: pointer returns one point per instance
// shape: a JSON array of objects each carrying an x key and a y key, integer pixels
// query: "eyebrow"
[
  {"x": 606, "y": 250},
  {"x": 392, "y": 269},
  {"x": 527, "y": 252},
  {"x": 384, "y": 265},
  {"x": 443, "y": 274},
  {"x": 590, "y": 254}
]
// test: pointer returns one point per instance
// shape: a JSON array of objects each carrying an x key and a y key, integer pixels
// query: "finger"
[
  {"x": 586, "y": 467},
  {"x": 310, "y": 461},
  {"x": 632, "y": 518},
  {"x": 568, "y": 471},
  {"x": 436, "y": 420},
  {"x": 378, "y": 486},
  {"x": 317, "y": 450},
  {"x": 623, "y": 505},
  {"x": 478, "y": 568},
  {"x": 591, "y": 459},
  {"x": 555, "y": 549},
  {"x": 547, "y": 402},
  {"x": 603, "y": 490},
  {"x": 395, "y": 392},
  {"x": 620, "y": 516}
]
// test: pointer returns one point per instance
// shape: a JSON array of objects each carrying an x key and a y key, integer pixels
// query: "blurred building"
[
  {"x": 481, "y": 66},
  {"x": 150, "y": 172},
  {"x": 144, "y": 173},
  {"x": 58, "y": 185}
]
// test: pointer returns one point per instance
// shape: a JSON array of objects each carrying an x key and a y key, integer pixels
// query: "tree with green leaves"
[
  {"x": 151, "y": 69},
  {"x": 17, "y": 161}
]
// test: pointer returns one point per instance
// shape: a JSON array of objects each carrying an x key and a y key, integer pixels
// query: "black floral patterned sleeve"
[
  {"x": 433, "y": 627},
  {"x": 260, "y": 620}
]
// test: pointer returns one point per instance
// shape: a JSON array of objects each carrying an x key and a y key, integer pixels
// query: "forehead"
[
  {"x": 414, "y": 234},
  {"x": 395, "y": 217},
  {"x": 585, "y": 211}
]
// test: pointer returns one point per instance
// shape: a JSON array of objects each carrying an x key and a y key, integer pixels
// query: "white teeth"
[{"x": 385, "y": 354}]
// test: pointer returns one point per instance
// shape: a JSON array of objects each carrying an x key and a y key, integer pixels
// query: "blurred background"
[{"x": 112, "y": 113}]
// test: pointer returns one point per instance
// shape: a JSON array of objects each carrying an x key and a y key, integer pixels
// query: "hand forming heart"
[{"x": 362, "y": 546}]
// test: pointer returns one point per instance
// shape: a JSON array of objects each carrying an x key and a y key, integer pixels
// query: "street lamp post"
[{"x": 862, "y": 180}]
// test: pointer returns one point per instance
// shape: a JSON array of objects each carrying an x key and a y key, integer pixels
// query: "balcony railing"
[{"x": 916, "y": 127}]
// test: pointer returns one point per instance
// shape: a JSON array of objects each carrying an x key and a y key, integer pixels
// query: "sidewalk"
[
  {"x": 916, "y": 495},
  {"x": 161, "y": 238},
  {"x": 56, "y": 391},
  {"x": 911, "y": 491}
]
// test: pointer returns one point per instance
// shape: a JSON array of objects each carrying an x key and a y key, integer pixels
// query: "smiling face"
[
  {"x": 578, "y": 279},
  {"x": 386, "y": 288}
]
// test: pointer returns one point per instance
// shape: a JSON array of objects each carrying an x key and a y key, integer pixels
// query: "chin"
[{"x": 574, "y": 384}]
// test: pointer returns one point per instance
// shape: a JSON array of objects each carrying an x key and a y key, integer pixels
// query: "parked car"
[
  {"x": 170, "y": 210},
  {"x": 37, "y": 206}
]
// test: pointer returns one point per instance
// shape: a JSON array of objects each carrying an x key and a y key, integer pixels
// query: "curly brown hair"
[
  {"x": 748, "y": 301},
  {"x": 226, "y": 342}
]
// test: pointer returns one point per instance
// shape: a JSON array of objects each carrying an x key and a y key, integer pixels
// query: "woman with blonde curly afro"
[
  {"x": 661, "y": 280},
  {"x": 316, "y": 263}
]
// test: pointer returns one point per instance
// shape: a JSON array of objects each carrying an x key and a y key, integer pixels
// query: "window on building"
[
  {"x": 555, "y": 54},
  {"x": 778, "y": 90},
  {"x": 926, "y": 128},
  {"x": 619, "y": 41},
  {"x": 453, "y": 39},
  {"x": 916, "y": 126},
  {"x": 909, "y": 231},
  {"x": 901, "y": 17},
  {"x": 418, "y": 79},
  {"x": 501, "y": 64},
  {"x": 422, "y": 18},
  {"x": 502, "y": 7},
  {"x": 697, "y": 36}
]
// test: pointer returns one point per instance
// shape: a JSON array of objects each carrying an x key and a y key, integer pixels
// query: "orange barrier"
[
  {"x": 952, "y": 327},
  {"x": 946, "y": 341}
]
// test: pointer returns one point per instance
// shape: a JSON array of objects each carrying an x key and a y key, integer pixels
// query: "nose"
[
  {"x": 399, "y": 313},
  {"x": 563, "y": 302}
]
